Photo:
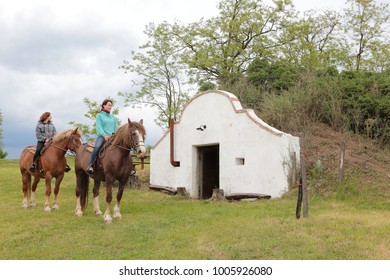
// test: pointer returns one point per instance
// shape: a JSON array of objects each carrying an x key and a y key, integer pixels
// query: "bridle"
[
  {"x": 134, "y": 145},
  {"x": 67, "y": 145}
]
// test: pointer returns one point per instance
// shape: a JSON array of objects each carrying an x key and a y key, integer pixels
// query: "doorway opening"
[{"x": 208, "y": 170}]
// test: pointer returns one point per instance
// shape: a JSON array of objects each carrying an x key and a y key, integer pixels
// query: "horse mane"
[
  {"x": 64, "y": 134},
  {"x": 122, "y": 135}
]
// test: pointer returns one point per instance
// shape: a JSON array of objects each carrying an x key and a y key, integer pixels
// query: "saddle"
[
  {"x": 32, "y": 149},
  {"x": 90, "y": 146}
]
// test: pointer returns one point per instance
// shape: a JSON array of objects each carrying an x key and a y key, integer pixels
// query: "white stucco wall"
[{"x": 240, "y": 134}]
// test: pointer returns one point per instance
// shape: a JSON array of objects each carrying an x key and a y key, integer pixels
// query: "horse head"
[
  {"x": 75, "y": 140},
  {"x": 137, "y": 135}
]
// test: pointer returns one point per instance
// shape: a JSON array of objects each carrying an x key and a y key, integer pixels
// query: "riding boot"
[
  {"x": 32, "y": 167},
  {"x": 90, "y": 169}
]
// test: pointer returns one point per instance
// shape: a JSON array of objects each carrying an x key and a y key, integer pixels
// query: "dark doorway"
[{"x": 208, "y": 170}]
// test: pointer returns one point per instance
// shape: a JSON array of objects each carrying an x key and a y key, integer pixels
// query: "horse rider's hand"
[{"x": 106, "y": 137}]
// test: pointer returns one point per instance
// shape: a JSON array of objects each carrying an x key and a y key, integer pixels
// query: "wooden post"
[
  {"x": 218, "y": 194},
  {"x": 299, "y": 200},
  {"x": 341, "y": 165},
  {"x": 181, "y": 191},
  {"x": 303, "y": 176},
  {"x": 293, "y": 169}
]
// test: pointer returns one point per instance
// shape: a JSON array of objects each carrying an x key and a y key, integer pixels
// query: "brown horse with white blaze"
[
  {"x": 51, "y": 164},
  {"x": 113, "y": 163}
]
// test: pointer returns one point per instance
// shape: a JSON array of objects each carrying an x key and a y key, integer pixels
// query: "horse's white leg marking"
[
  {"x": 47, "y": 207},
  {"x": 107, "y": 215},
  {"x": 55, "y": 203},
  {"x": 25, "y": 203},
  {"x": 117, "y": 212},
  {"x": 32, "y": 200},
  {"x": 96, "y": 207},
  {"x": 78, "y": 211}
]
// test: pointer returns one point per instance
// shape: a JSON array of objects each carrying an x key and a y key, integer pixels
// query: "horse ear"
[
  {"x": 141, "y": 121},
  {"x": 129, "y": 122}
]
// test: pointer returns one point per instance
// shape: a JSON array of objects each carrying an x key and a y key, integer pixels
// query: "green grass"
[{"x": 349, "y": 224}]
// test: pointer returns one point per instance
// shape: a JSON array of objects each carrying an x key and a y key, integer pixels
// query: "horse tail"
[
  {"x": 26, "y": 177},
  {"x": 83, "y": 185}
]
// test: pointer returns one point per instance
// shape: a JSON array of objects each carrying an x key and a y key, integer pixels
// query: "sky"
[{"x": 54, "y": 53}]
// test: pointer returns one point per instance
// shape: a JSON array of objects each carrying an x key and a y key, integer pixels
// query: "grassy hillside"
[{"x": 346, "y": 221}]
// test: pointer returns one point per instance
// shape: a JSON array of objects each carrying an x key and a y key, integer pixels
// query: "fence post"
[
  {"x": 303, "y": 176},
  {"x": 341, "y": 165}
]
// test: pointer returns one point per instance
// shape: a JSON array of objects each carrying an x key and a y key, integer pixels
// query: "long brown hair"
[{"x": 44, "y": 116}]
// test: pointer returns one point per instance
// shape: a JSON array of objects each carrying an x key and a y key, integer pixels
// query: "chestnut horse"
[
  {"x": 51, "y": 165},
  {"x": 113, "y": 163}
]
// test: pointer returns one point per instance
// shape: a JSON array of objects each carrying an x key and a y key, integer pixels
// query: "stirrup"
[{"x": 90, "y": 170}]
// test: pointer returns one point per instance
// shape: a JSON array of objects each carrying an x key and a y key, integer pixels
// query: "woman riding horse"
[{"x": 114, "y": 163}]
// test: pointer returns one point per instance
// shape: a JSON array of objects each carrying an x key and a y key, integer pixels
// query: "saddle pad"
[
  {"x": 32, "y": 149},
  {"x": 90, "y": 146}
]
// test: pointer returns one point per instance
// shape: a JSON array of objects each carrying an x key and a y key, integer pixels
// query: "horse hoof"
[
  {"x": 117, "y": 216},
  {"x": 24, "y": 206},
  {"x": 32, "y": 205},
  {"x": 55, "y": 207},
  {"x": 107, "y": 219},
  {"x": 47, "y": 209},
  {"x": 98, "y": 213},
  {"x": 79, "y": 213}
]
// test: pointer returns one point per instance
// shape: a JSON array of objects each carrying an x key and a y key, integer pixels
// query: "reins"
[
  {"x": 60, "y": 148},
  {"x": 109, "y": 142}
]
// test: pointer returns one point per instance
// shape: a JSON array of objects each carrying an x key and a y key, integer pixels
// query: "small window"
[{"x": 240, "y": 161}]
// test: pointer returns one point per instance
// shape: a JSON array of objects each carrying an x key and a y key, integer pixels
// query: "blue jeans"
[{"x": 98, "y": 144}]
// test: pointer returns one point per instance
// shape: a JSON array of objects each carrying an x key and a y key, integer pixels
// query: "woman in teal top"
[{"x": 106, "y": 126}]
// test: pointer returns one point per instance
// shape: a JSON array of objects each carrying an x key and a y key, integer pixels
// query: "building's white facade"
[{"x": 221, "y": 145}]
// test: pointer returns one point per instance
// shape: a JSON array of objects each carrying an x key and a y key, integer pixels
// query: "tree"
[
  {"x": 162, "y": 80},
  {"x": 314, "y": 45},
  {"x": 89, "y": 132},
  {"x": 3, "y": 154},
  {"x": 222, "y": 47},
  {"x": 365, "y": 24}
]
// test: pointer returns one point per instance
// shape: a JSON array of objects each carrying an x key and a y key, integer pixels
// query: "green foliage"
[
  {"x": 272, "y": 76},
  {"x": 206, "y": 86},
  {"x": 364, "y": 25},
  {"x": 223, "y": 46},
  {"x": 162, "y": 78},
  {"x": 273, "y": 47},
  {"x": 366, "y": 103},
  {"x": 312, "y": 98}
]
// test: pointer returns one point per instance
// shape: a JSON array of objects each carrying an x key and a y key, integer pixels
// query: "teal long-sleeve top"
[{"x": 106, "y": 124}]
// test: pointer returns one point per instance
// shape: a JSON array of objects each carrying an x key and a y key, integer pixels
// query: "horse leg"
[
  {"x": 78, "y": 211},
  {"x": 117, "y": 211},
  {"x": 96, "y": 206},
  {"x": 107, "y": 214},
  {"x": 48, "y": 193},
  {"x": 26, "y": 188},
  {"x": 33, "y": 189},
  {"x": 82, "y": 186},
  {"x": 56, "y": 191}
]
